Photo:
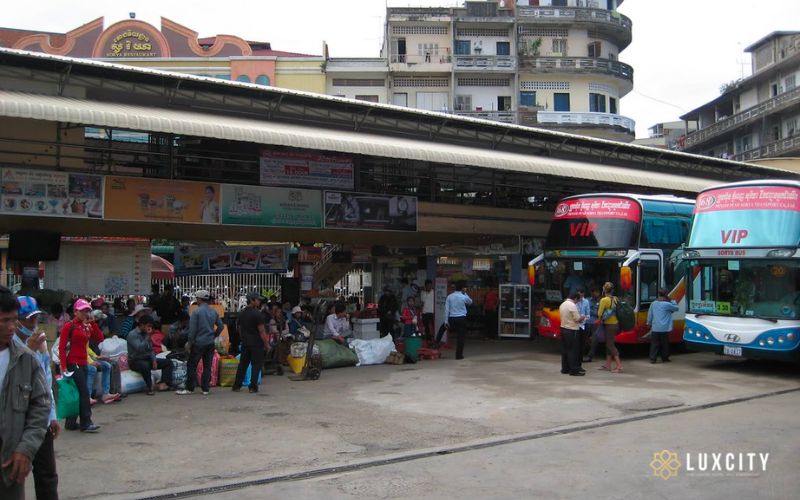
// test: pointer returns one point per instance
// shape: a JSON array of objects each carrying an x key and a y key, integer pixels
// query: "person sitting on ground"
[
  {"x": 130, "y": 322},
  {"x": 336, "y": 324},
  {"x": 277, "y": 324},
  {"x": 297, "y": 321},
  {"x": 178, "y": 333},
  {"x": 142, "y": 358}
]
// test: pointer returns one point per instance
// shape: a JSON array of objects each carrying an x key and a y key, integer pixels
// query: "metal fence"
[{"x": 228, "y": 289}]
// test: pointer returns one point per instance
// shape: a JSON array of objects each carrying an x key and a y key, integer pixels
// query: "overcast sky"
[{"x": 682, "y": 50}]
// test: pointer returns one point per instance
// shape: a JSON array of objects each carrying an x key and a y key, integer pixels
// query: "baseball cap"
[
  {"x": 28, "y": 307},
  {"x": 297, "y": 309},
  {"x": 82, "y": 305},
  {"x": 202, "y": 294}
]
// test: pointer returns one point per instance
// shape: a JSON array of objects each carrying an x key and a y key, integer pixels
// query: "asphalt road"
[{"x": 533, "y": 427}]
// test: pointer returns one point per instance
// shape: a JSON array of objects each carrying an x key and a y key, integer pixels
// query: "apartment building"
[
  {"x": 756, "y": 117},
  {"x": 666, "y": 135},
  {"x": 543, "y": 63}
]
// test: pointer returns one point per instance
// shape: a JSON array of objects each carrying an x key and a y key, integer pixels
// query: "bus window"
[{"x": 648, "y": 281}]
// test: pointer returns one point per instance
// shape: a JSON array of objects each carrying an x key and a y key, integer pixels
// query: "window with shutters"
[
  {"x": 594, "y": 49},
  {"x": 463, "y": 103},
  {"x": 560, "y": 46},
  {"x": 597, "y": 103},
  {"x": 527, "y": 98}
]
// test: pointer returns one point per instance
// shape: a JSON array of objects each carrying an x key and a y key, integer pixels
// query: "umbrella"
[{"x": 161, "y": 269}]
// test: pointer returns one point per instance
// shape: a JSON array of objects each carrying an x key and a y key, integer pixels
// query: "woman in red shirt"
[
  {"x": 409, "y": 318},
  {"x": 72, "y": 343}
]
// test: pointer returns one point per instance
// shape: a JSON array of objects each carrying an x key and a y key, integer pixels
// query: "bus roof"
[
  {"x": 638, "y": 197},
  {"x": 765, "y": 182}
]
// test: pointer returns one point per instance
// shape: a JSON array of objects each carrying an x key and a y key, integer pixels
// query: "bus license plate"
[{"x": 731, "y": 351}]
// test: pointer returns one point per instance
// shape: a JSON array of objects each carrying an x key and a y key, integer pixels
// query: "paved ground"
[{"x": 166, "y": 443}]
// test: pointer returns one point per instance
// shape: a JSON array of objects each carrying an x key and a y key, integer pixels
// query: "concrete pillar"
[{"x": 516, "y": 269}]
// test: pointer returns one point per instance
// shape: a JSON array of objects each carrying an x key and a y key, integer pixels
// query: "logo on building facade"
[{"x": 133, "y": 43}]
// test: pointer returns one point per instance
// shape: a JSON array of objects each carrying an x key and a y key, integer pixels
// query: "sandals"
[
  {"x": 604, "y": 367},
  {"x": 618, "y": 370}
]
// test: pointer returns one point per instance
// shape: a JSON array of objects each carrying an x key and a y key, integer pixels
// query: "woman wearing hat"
[
  {"x": 130, "y": 322},
  {"x": 72, "y": 352}
]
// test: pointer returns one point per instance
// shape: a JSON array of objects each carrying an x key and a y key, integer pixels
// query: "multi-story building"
[
  {"x": 544, "y": 63},
  {"x": 756, "y": 117},
  {"x": 666, "y": 135}
]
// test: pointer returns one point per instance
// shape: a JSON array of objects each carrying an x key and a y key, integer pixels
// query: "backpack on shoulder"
[{"x": 625, "y": 315}]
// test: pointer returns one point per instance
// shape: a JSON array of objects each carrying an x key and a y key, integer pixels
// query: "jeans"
[
  {"x": 80, "y": 375},
  {"x": 45, "y": 477},
  {"x": 105, "y": 377},
  {"x": 250, "y": 354},
  {"x": 145, "y": 367},
  {"x": 659, "y": 344},
  {"x": 206, "y": 353}
]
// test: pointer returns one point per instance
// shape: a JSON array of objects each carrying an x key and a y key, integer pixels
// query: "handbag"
[
  {"x": 68, "y": 401},
  {"x": 600, "y": 333},
  {"x": 611, "y": 311}
]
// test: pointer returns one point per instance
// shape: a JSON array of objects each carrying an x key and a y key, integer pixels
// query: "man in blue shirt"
[
  {"x": 205, "y": 325},
  {"x": 455, "y": 310},
  {"x": 659, "y": 319},
  {"x": 584, "y": 309}
]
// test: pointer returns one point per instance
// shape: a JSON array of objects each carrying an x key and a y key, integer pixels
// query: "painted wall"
[
  {"x": 304, "y": 74},
  {"x": 253, "y": 68},
  {"x": 486, "y": 97}
]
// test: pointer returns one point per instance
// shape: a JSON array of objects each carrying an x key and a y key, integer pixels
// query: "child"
[{"x": 409, "y": 317}]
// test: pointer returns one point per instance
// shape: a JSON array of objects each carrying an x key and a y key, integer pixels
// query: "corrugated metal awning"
[{"x": 155, "y": 119}]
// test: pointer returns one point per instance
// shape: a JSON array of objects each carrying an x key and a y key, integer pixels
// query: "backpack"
[{"x": 626, "y": 316}]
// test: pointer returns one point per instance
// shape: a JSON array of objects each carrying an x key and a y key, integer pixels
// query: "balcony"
[
  {"x": 495, "y": 116},
  {"x": 423, "y": 64},
  {"x": 784, "y": 147},
  {"x": 585, "y": 118},
  {"x": 750, "y": 115},
  {"x": 536, "y": 64},
  {"x": 477, "y": 62},
  {"x": 607, "y": 22}
]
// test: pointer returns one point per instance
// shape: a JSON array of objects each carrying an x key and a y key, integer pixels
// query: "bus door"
[{"x": 649, "y": 278}]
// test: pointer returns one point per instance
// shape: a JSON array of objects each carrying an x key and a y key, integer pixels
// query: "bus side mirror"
[
  {"x": 625, "y": 278},
  {"x": 532, "y": 275}
]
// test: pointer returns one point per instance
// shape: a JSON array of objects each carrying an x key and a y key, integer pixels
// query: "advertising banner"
[
  {"x": 362, "y": 254},
  {"x": 271, "y": 207},
  {"x": 601, "y": 208},
  {"x": 509, "y": 245},
  {"x": 282, "y": 168},
  {"x": 158, "y": 200},
  {"x": 238, "y": 259},
  {"x": 370, "y": 211},
  {"x": 55, "y": 194},
  {"x": 309, "y": 254},
  {"x": 101, "y": 268}
]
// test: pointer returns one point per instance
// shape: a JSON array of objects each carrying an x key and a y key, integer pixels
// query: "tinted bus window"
[{"x": 604, "y": 223}]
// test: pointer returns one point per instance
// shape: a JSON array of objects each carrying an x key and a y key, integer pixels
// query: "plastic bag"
[
  {"x": 113, "y": 347},
  {"x": 335, "y": 355},
  {"x": 68, "y": 402},
  {"x": 373, "y": 352}
]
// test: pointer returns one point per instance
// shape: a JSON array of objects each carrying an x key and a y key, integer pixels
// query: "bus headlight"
[
  {"x": 770, "y": 340},
  {"x": 689, "y": 331},
  {"x": 781, "y": 340},
  {"x": 691, "y": 254},
  {"x": 761, "y": 343},
  {"x": 790, "y": 336}
]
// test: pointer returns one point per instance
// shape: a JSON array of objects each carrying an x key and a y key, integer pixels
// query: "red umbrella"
[{"x": 161, "y": 269}]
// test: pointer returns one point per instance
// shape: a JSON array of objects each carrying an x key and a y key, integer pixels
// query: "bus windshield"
[
  {"x": 763, "y": 288},
  {"x": 747, "y": 216},
  {"x": 563, "y": 276},
  {"x": 595, "y": 222}
]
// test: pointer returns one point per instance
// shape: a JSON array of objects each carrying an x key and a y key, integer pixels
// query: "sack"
[
  {"x": 373, "y": 352},
  {"x": 395, "y": 358},
  {"x": 179, "y": 373},
  {"x": 600, "y": 333},
  {"x": 626, "y": 316},
  {"x": 122, "y": 361},
  {"x": 68, "y": 402},
  {"x": 335, "y": 355},
  {"x": 113, "y": 347},
  {"x": 227, "y": 371},
  {"x": 131, "y": 382},
  {"x": 214, "y": 370}
]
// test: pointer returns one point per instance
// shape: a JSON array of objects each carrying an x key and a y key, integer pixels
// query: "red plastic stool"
[{"x": 428, "y": 353}]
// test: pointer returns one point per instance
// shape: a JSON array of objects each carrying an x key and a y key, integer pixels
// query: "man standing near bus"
[
  {"x": 455, "y": 310},
  {"x": 571, "y": 321},
  {"x": 659, "y": 319}
]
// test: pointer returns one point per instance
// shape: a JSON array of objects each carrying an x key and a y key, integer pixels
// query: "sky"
[{"x": 682, "y": 51}]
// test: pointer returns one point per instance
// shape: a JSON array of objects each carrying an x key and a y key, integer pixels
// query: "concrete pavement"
[{"x": 166, "y": 443}]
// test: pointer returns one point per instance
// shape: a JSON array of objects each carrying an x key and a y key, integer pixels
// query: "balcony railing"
[
  {"x": 427, "y": 60},
  {"x": 577, "y": 65},
  {"x": 771, "y": 150},
  {"x": 485, "y": 62},
  {"x": 775, "y": 104},
  {"x": 570, "y": 14},
  {"x": 495, "y": 116},
  {"x": 585, "y": 118}
]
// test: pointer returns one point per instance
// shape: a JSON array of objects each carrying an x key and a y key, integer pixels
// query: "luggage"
[
  {"x": 395, "y": 358},
  {"x": 179, "y": 373},
  {"x": 116, "y": 378},
  {"x": 335, "y": 355},
  {"x": 114, "y": 347},
  {"x": 132, "y": 382},
  {"x": 227, "y": 371}
]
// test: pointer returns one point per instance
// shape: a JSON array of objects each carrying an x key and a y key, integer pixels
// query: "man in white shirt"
[
  {"x": 571, "y": 321},
  {"x": 426, "y": 295},
  {"x": 336, "y": 325}
]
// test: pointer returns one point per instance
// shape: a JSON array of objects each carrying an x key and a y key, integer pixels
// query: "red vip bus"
[{"x": 630, "y": 240}]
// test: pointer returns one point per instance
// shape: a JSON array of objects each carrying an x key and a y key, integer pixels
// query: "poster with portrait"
[
  {"x": 160, "y": 200},
  {"x": 361, "y": 211}
]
